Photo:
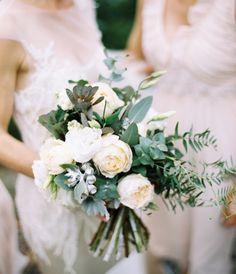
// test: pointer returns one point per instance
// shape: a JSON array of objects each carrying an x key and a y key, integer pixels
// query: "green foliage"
[
  {"x": 116, "y": 74},
  {"x": 54, "y": 189},
  {"x": 138, "y": 112},
  {"x": 55, "y": 123},
  {"x": 106, "y": 189},
  {"x": 95, "y": 207},
  {"x": 60, "y": 180},
  {"x": 109, "y": 121},
  {"x": 126, "y": 94},
  {"x": 131, "y": 135},
  {"x": 198, "y": 141}
]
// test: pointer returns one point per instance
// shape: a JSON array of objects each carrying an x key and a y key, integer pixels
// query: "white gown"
[
  {"x": 200, "y": 85},
  {"x": 60, "y": 45},
  {"x": 11, "y": 261}
]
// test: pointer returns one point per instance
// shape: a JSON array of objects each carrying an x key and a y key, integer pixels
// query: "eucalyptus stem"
[
  {"x": 135, "y": 232},
  {"x": 115, "y": 235}
]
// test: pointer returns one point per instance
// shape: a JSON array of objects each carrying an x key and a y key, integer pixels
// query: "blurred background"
[{"x": 115, "y": 19}]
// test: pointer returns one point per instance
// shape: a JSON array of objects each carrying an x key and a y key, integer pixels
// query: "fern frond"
[{"x": 198, "y": 141}]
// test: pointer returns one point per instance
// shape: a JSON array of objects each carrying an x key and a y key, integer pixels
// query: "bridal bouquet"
[{"x": 108, "y": 156}]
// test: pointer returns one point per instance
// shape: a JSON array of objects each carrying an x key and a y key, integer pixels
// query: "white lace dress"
[
  {"x": 60, "y": 45},
  {"x": 201, "y": 86}
]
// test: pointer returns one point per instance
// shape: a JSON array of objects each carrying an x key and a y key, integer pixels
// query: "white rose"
[
  {"x": 111, "y": 100},
  {"x": 114, "y": 157},
  {"x": 135, "y": 191},
  {"x": 54, "y": 153},
  {"x": 83, "y": 143},
  {"x": 63, "y": 101}
]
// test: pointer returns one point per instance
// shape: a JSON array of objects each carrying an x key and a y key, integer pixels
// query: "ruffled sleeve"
[{"x": 210, "y": 54}]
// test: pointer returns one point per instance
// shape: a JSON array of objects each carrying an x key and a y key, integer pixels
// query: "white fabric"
[
  {"x": 201, "y": 86},
  {"x": 11, "y": 261},
  {"x": 60, "y": 45}
]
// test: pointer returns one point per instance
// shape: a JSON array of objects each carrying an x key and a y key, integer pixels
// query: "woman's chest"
[{"x": 205, "y": 47}]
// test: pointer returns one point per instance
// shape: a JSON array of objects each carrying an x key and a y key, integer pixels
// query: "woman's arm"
[
  {"x": 135, "y": 39},
  {"x": 13, "y": 153}
]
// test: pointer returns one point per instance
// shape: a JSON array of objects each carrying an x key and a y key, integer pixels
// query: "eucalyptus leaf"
[
  {"x": 61, "y": 180},
  {"x": 106, "y": 189},
  {"x": 138, "y": 112},
  {"x": 116, "y": 77},
  {"x": 112, "y": 118},
  {"x": 110, "y": 62},
  {"x": 131, "y": 136}
]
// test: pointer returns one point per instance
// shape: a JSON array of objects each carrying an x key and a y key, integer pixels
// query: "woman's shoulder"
[{"x": 10, "y": 25}]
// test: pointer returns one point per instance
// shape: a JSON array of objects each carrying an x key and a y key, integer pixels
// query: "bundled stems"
[{"x": 116, "y": 236}]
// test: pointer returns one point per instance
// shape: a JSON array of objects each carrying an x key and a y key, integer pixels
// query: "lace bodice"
[
  {"x": 59, "y": 49},
  {"x": 203, "y": 51}
]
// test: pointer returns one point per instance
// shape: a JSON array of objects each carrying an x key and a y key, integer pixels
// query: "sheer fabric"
[
  {"x": 200, "y": 85},
  {"x": 60, "y": 45}
]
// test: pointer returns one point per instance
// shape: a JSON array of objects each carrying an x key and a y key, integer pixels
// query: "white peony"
[
  {"x": 114, "y": 157},
  {"x": 54, "y": 153},
  {"x": 135, "y": 191},
  {"x": 63, "y": 101},
  {"x": 111, "y": 100},
  {"x": 159, "y": 122},
  {"x": 83, "y": 143}
]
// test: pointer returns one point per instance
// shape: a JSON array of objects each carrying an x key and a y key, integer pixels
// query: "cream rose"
[
  {"x": 114, "y": 156},
  {"x": 63, "y": 101},
  {"x": 83, "y": 143},
  {"x": 111, "y": 100},
  {"x": 135, "y": 191},
  {"x": 54, "y": 153}
]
